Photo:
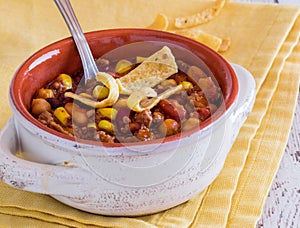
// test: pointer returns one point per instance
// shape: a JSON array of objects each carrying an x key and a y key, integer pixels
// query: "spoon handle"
[{"x": 88, "y": 63}]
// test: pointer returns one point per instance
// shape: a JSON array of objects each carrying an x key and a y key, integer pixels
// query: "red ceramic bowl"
[{"x": 62, "y": 57}]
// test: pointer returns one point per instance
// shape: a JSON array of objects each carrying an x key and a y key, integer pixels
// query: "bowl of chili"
[{"x": 122, "y": 159}]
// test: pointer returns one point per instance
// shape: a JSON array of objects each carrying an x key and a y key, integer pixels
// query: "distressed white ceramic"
[{"x": 123, "y": 181}]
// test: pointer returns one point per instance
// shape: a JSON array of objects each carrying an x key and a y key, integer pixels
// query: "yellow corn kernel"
[
  {"x": 106, "y": 125},
  {"x": 92, "y": 125},
  {"x": 186, "y": 85},
  {"x": 62, "y": 115},
  {"x": 110, "y": 113},
  {"x": 45, "y": 93},
  {"x": 65, "y": 80},
  {"x": 100, "y": 92},
  {"x": 123, "y": 66}
]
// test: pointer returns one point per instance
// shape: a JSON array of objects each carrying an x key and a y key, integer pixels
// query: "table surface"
[{"x": 282, "y": 206}]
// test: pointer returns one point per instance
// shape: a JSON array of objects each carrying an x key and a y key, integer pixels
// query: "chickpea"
[
  {"x": 78, "y": 114},
  {"x": 45, "y": 93},
  {"x": 80, "y": 117},
  {"x": 56, "y": 85},
  {"x": 213, "y": 108},
  {"x": 69, "y": 107},
  {"x": 169, "y": 127},
  {"x": 209, "y": 88},
  {"x": 39, "y": 105},
  {"x": 190, "y": 123},
  {"x": 196, "y": 73}
]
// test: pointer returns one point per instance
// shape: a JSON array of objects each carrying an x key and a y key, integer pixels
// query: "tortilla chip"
[
  {"x": 212, "y": 41},
  {"x": 135, "y": 98},
  {"x": 113, "y": 95},
  {"x": 226, "y": 42},
  {"x": 201, "y": 17},
  {"x": 161, "y": 22},
  {"x": 150, "y": 72}
]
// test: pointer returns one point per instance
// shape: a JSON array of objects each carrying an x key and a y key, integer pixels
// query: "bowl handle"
[
  {"x": 37, "y": 177},
  {"x": 245, "y": 100}
]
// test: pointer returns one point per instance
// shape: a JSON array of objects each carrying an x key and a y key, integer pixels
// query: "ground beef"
[
  {"x": 46, "y": 118},
  {"x": 104, "y": 137},
  {"x": 198, "y": 100},
  {"x": 158, "y": 117},
  {"x": 144, "y": 118},
  {"x": 144, "y": 134}
]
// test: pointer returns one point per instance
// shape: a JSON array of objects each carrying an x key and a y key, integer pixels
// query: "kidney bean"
[
  {"x": 204, "y": 113},
  {"x": 179, "y": 77},
  {"x": 54, "y": 102},
  {"x": 172, "y": 109},
  {"x": 167, "y": 108},
  {"x": 61, "y": 97},
  {"x": 114, "y": 75},
  {"x": 77, "y": 77},
  {"x": 179, "y": 108}
]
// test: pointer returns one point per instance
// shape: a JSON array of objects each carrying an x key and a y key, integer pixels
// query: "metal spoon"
[{"x": 88, "y": 63}]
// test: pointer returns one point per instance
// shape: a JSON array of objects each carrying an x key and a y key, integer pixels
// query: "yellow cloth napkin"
[{"x": 265, "y": 40}]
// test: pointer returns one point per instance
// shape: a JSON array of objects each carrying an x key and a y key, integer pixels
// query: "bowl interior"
[{"x": 62, "y": 57}]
